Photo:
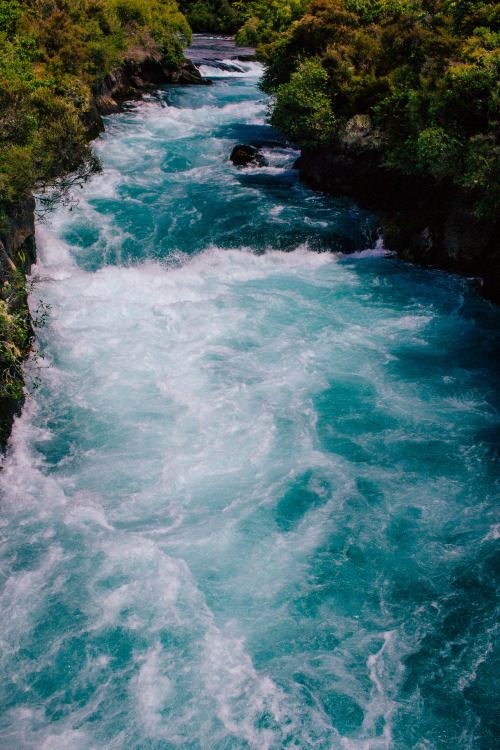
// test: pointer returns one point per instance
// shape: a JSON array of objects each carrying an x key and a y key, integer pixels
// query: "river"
[{"x": 254, "y": 502}]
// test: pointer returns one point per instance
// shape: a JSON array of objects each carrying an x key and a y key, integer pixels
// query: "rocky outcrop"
[
  {"x": 350, "y": 168},
  {"x": 17, "y": 237},
  {"x": 131, "y": 79},
  {"x": 244, "y": 156},
  {"x": 424, "y": 223}
]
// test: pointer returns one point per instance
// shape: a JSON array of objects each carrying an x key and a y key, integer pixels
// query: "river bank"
[
  {"x": 433, "y": 226},
  {"x": 422, "y": 224},
  {"x": 126, "y": 82}
]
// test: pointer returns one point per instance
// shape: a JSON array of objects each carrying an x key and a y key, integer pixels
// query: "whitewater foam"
[{"x": 232, "y": 69}]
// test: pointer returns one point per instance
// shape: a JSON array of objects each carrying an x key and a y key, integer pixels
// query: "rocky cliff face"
[
  {"x": 17, "y": 237},
  {"x": 423, "y": 223}
]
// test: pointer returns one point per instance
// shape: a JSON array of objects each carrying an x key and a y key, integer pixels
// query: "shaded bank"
[
  {"x": 17, "y": 254},
  {"x": 427, "y": 224}
]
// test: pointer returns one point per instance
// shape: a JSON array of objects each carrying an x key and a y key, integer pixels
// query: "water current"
[{"x": 254, "y": 502}]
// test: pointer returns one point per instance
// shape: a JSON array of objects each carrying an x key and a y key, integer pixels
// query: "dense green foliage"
[
  {"x": 15, "y": 336},
  {"x": 51, "y": 53},
  {"x": 211, "y": 16},
  {"x": 255, "y": 22},
  {"x": 426, "y": 71},
  {"x": 263, "y": 21}
]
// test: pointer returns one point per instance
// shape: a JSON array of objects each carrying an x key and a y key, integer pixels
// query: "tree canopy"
[{"x": 51, "y": 53}]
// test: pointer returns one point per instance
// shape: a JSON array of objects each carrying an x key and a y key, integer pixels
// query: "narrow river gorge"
[{"x": 254, "y": 502}]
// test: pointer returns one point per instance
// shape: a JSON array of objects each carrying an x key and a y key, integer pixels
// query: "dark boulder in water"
[
  {"x": 188, "y": 73},
  {"x": 131, "y": 80},
  {"x": 242, "y": 156}
]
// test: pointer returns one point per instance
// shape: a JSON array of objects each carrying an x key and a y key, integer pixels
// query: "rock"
[
  {"x": 9, "y": 408},
  {"x": 243, "y": 155},
  {"x": 360, "y": 134},
  {"x": 17, "y": 237},
  {"x": 106, "y": 106},
  {"x": 351, "y": 167},
  {"x": 189, "y": 73},
  {"x": 247, "y": 58},
  {"x": 92, "y": 120},
  {"x": 342, "y": 170},
  {"x": 132, "y": 79}
]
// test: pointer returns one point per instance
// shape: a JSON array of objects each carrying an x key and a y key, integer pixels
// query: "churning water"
[{"x": 252, "y": 504}]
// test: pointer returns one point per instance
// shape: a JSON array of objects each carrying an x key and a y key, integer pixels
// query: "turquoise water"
[{"x": 253, "y": 504}]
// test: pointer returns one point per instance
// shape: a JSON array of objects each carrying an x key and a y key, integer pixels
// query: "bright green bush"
[
  {"x": 212, "y": 16},
  {"x": 256, "y": 23},
  {"x": 263, "y": 21},
  {"x": 303, "y": 108}
]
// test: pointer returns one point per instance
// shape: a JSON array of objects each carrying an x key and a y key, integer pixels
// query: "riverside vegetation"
[
  {"x": 428, "y": 73},
  {"x": 425, "y": 79}
]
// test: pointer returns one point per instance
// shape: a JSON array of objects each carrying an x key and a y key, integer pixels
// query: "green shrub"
[
  {"x": 51, "y": 54},
  {"x": 212, "y": 16},
  {"x": 427, "y": 73},
  {"x": 303, "y": 108}
]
